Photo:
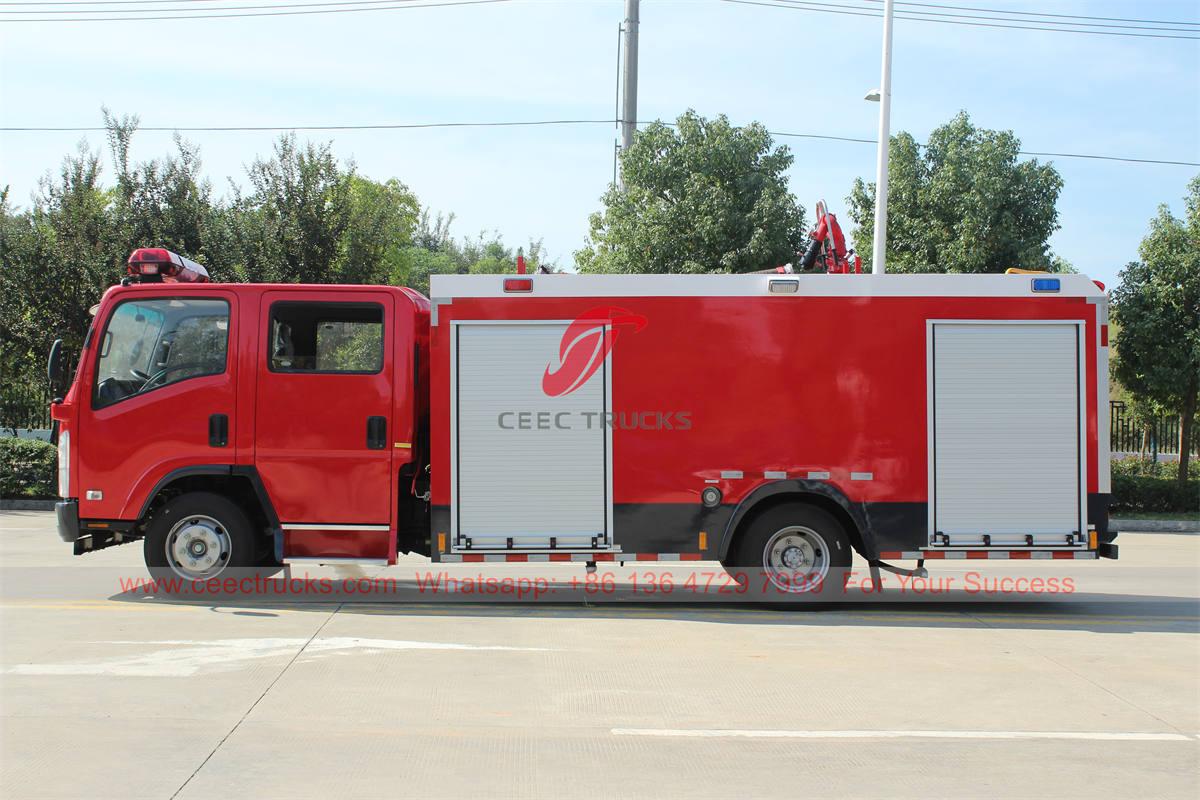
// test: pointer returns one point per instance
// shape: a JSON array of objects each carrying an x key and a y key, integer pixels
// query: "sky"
[{"x": 793, "y": 70}]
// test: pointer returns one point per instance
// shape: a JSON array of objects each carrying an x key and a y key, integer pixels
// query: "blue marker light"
[{"x": 1046, "y": 284}]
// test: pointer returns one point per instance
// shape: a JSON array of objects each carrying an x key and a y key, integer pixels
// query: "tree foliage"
[
  {"x": 965, "y": 202},
  {"x": 702, "y": 196},
  {"x": 1157, "y": 306}
]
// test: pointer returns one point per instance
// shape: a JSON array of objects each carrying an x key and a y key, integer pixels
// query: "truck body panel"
[
  {"x": 727, "y": 384},
  {"x": 587, "y": 418}
]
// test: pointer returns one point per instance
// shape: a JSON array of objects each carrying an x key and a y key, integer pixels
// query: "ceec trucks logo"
[{"x": 584, "y": 347}]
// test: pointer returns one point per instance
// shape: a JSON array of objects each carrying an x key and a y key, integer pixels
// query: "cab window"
[
  {"x": 152, "y": 343},
  {"x": 326, "y": 337}
]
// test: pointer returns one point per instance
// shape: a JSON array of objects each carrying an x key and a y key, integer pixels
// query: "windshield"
[{"x": 153, "y": 343}]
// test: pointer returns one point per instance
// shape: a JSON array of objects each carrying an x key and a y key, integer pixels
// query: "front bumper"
[{"x": 67, "y": 513}]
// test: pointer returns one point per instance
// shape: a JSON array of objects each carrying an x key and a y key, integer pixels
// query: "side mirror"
[{"x": 56, "y": 369}]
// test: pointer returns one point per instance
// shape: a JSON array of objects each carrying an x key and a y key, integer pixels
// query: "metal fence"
[
  {"x": 1160, "y": 435},
  {"x": 24, "y": 405},
  {"x": 28, "y": 406}
]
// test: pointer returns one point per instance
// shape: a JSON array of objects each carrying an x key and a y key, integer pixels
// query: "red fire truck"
[{"x": 780, "y": 421}]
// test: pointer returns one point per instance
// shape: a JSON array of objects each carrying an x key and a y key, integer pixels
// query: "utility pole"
[
  {"x": 629, "y": 71},
  {"x": 881, "y": 164}
]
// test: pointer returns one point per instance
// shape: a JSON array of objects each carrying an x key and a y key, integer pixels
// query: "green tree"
[
  {"x": 963, "y": 203},
  {"x": 158, "y": 203},
  {"x": 383, "y": 217},
  {"x": 295, "y": 217},
  {"x": 1157, "y": 306},
  {"x": 435, "y": 252},
  {"x": 57, "y": 260},
  {"x": 703, "y": 196}
]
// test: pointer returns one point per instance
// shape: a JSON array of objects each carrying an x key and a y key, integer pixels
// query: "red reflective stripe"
[
  {"x": 934, "y": 554},
  {"x": 1064, "y": 554},
  {"x": 646, "y": 557},
  {"x": 891, "y": 554},
  {"x": 977, "y": 554},
  {"x": 603, "y": 557},
  {"x": 691, "y": 556},
  {"x": 517, "y": 557},
  {"x": 1020, "y": 554},
  {"x": 473, "y": 558},
  {"x": 560, "y": 556}
]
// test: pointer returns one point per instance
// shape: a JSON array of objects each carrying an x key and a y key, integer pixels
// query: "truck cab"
[{"x": 236, "y": 425}]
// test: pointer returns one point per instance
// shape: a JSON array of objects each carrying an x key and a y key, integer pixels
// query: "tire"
[
  {"x": 210, "y": 527},
  {"x": 792, "y": 549}
]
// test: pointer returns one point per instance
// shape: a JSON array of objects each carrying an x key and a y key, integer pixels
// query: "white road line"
[
  {"x": 720, "y": 733},
  {"x": 186, "y": 657}
]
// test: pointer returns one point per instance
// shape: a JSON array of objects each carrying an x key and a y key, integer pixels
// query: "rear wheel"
[
  {"x": 198, "y": 536},
  {"x": 793, "y": 549}
]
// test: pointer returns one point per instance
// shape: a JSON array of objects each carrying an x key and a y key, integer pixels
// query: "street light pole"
[{"x": 879, "y": 249}]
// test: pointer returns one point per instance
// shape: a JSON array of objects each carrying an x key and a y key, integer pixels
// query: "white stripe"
[
  {"x": 327, "y": 526},
  {"x": 333, "y": 560},
  {"x": 719, "y": 733}
]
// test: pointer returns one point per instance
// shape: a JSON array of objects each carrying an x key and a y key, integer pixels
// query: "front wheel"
[
  {"x": 198, "y": 536},
  {"x": 793, "y": 549}
]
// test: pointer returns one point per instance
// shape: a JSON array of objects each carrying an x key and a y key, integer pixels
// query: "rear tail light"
[{"x": 518, "y": 284}]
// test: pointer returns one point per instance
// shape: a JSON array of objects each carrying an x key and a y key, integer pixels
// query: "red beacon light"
[{"x": 158, "y": 265}]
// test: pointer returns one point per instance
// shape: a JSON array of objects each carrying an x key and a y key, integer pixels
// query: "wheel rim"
[
  {"x": 796, "y": 559},
  {"x": 198, "y": 547}
]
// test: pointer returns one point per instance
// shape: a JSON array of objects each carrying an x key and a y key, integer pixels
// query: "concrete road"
[{"x": 106, "y": 691}]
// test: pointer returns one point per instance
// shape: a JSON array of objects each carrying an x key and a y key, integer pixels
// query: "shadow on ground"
[{"x": 1092, "y": 612}]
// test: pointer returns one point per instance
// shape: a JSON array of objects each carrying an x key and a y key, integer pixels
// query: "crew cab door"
[
  {"x": 159, "y": 396},
  {"x": 323, "y": 411}
]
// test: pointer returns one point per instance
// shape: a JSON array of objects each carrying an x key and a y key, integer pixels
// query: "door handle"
[
  {"x": 376, "y": 433},
  {"x": 218, "y": 430}
]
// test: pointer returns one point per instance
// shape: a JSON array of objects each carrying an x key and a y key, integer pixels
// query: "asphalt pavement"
[{"x": 110, "y": 689}]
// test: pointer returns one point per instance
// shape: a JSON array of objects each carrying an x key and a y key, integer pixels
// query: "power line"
[
  {"x": 284, "y": 128},
  {"x": 938, "y": 14},
  {"x": 1029, "y": 13},
  {"x": 530, "y": 123},
  {"x": 177, "y": 12},
  {"x": 899, "y": 3},
  {"x": 102, "y": 2},
  {"x": 829, "y": 8},
  {"x": 408, "y": 4},
  {"x": 207, "y": 9}
]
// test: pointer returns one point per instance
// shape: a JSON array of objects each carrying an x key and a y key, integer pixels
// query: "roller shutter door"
[
  {"x": 1006, "y": 432},
  {"x": 528, "y": 466}
]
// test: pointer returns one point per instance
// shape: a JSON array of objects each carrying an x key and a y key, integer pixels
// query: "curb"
[
  {"x": 1156, "y": 525},
  {"x": 27, "y": 505}
]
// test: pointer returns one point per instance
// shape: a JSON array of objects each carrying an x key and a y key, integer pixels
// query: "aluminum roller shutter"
[
  {"x": 1007, "y": 437},
  {"x": 528, "y": 484}
]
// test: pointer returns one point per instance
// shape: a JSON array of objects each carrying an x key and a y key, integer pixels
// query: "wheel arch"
[
  {"x": 241, "y": 484},
  {"x": 816, "y": 493}
]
